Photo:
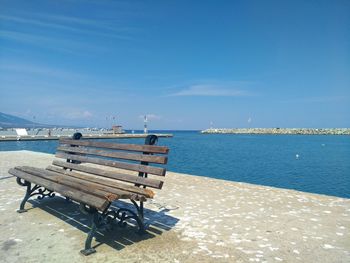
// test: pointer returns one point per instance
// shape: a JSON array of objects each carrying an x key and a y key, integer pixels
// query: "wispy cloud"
[
  {"x": 73, "y": 24},
  {"x": 101, "y": 24},
  {"x": 212, "y": 90},
  {"x": 39, "y": 70},
  {"x": 61, "y": 33},
  {"x": 64, "y": 45},
  {"x": 27, "y": 21}
]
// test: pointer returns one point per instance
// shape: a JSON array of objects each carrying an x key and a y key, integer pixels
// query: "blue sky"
[{"x": 184, "y": 63}]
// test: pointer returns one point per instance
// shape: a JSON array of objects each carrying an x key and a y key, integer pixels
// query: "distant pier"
[
  {"x": 85, "y": 136},
  {"x": 291, "y": 131}
]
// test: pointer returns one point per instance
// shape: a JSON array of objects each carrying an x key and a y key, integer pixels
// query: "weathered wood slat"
[
  {"x": 98, "y": 202},
  {"x": 122, "y": 165},
  {"x": 64, "y": 180},
  {"x": 114, "y": 154},
  {"x": 118, "y": 146},
  {"x": 83, "y": 185},
  {"x": 112, "y": 175},
  {"x": 103, "y": 181}
]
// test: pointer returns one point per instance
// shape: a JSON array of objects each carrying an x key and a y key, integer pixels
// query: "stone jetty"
[
  {"x": 305, "y": 131},
  {"x": 85, "y": 136},
  {"x": 193, "y": 219}
]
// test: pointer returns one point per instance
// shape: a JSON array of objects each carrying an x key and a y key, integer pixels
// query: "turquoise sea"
[{"x": 323, "y": 165}]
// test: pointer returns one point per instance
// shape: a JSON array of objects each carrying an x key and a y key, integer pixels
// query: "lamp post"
[
  {"x": 145, "y": 130},
  {"x": 33, "y": 124}
]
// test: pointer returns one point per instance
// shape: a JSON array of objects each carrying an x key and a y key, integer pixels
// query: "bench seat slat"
[
  {"x": 89, "y": 187},
  {"x": 95, "y": 201},
  {"x": 123, "y": 165},
  {"x": 102, "y": 181},
  {"x": 112, "y": 175},
  {"x": 117, "y": 146},
  {"x": 60, "y": 179},
  {"x": 119, "y": 155}
]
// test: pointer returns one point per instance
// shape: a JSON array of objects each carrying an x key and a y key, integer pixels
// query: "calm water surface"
[{"x": 323, "y": 165}]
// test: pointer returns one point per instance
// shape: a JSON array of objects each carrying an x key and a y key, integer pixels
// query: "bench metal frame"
[
  {"x": 99, "y": 220},
  {"x": 38, "y": 190}
]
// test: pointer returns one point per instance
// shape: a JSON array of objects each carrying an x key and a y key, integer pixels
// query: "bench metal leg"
[
  {"x": 139, "y": 217},
  {"x": 38, "y": 190},
  {"x": 102, "y": 221},
  {"x": 95, "y": 223},
  {"x": 88, "y": 249}
]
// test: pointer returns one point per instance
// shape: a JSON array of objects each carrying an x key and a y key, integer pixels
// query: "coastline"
[{"x": 291, "y": 131}]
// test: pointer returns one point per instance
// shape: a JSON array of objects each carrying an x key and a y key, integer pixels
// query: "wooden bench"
[{"x": 96, "y": 173}]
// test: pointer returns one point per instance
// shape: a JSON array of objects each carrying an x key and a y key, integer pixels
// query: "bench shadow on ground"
[{"x": 157, "y": 222}]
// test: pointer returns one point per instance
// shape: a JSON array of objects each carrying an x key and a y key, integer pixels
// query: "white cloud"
[
  {"x": 211, "y": 90},
  {"x": 78, "y": 114},
  {"x": 151, "y": 116},
  {"x": 66, "y": 113}
]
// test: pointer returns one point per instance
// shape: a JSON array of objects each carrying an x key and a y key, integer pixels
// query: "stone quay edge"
[{"x": 292, "y": 131}]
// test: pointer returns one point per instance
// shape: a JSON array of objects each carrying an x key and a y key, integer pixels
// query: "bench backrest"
[{"x": 131, "y": 157}]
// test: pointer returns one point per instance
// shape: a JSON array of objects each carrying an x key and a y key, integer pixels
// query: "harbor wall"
[
  {"x": 85, "y": 136},
  {"x": 303, "y": 131}
]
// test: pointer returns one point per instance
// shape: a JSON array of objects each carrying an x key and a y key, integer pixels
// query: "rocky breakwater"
[{"x": 306, "y": 131}]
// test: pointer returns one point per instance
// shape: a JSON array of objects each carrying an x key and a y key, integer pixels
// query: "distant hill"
[{"x": 11, "y": 121}]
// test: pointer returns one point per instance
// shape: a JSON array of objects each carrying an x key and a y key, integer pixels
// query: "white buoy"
[{"x": 297, "y": 156}]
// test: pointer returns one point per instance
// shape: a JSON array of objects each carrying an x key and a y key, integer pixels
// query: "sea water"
[{"x": 311, "y": 163}]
